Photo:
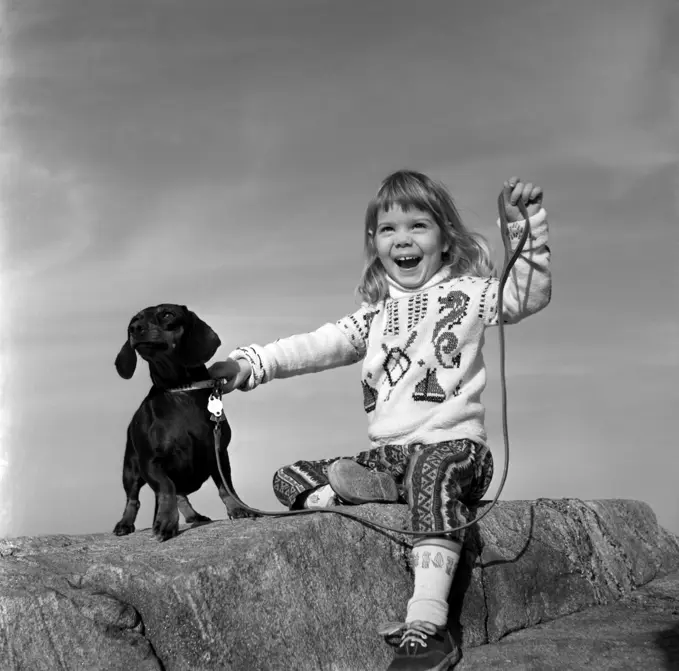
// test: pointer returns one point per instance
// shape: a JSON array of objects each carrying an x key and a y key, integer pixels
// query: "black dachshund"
[{"x": 170, "y": 440}]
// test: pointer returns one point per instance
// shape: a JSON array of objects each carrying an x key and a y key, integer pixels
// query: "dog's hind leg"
[
  {"x": 189, "y": 512},
  {"x": 233, "y": 508},
  {"x": 132, "y": 483}
]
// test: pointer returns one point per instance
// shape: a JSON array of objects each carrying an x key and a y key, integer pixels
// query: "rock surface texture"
[
  {"x": 641, "y": 631},
  {"x": 310, "y": 592}
]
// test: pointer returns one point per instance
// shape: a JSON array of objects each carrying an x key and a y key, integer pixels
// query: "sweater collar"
[{"x": 398, "y": 291}]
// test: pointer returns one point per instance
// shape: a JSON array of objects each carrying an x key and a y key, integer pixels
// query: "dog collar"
[{"x": 204, "y": 384}]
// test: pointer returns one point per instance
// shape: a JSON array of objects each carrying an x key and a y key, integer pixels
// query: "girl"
[{"x": 429, "y": 292}]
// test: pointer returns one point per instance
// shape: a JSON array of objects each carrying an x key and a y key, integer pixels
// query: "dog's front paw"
[
  {"x": 165, "y": 528},
  {"x": 123, "y": 528}
]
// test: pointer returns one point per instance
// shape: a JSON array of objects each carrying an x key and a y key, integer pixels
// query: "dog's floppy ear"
[
  {"x": 199, "y": 342},
  {"x": 126, "y": 361}
]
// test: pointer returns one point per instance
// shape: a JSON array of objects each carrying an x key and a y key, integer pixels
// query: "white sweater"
[{"x": 423, "y": 369}]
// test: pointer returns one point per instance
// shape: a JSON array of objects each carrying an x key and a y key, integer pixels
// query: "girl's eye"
[
  {"x": 419, "y": 224},
  {"x": 385, "y": 229}
]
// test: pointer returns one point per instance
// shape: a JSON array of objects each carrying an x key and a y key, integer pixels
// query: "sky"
[{"x": 221, "y": 155}]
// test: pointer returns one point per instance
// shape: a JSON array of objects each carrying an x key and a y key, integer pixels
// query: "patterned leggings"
[{"x": 438, "y": 481}]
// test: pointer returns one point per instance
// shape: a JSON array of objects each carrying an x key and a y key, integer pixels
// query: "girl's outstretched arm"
[
  {"x": 529, "y": 286},
  {"x": 330, "y": 346}
]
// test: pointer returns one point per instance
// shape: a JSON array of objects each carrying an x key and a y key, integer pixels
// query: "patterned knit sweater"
[{"x": 423, "y": 369}]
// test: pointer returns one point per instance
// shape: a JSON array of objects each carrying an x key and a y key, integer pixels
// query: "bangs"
[{"x": 406, "y": 190}]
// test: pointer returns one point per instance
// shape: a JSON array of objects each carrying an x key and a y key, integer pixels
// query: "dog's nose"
[{"x": 138, "y": 329}]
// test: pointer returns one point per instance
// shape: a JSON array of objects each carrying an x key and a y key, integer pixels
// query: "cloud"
[{"x": 47, "y": 217}]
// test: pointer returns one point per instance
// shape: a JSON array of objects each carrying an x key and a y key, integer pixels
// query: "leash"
[{"x": 216, "y": 407}]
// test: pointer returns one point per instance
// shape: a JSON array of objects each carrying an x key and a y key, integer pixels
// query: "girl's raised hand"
[{"x": 514, "y": 189}]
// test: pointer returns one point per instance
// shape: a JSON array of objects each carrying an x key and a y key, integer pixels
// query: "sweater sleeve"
[
  {"x": 529, "y": 285},
  {"x": 330, "y": 346}
]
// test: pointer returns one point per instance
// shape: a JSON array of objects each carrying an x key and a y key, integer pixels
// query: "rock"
[
  {"x": 308, "y": 592},
  {"x": 641, "y": 631},
  {"x": 555, "y": 557},
  {"x": 48, "y": 624}
]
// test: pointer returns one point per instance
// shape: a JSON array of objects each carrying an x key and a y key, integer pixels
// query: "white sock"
[
  {"x": 321, "y": 497},
  {"x": 434, "y": 564}
]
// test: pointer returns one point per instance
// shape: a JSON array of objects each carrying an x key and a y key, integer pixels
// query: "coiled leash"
[{"x": 216, "y": 408}]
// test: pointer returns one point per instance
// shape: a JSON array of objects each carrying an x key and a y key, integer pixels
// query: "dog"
[{"x": 170, "y": 439}]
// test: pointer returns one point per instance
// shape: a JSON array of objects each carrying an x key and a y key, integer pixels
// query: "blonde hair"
[{"x": 468, "y": 252}]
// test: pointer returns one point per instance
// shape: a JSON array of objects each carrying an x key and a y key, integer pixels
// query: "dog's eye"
[{"x": 170, "y": 320}]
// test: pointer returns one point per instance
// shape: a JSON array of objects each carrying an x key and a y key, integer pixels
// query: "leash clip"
[{"x": 214, "y": 405}]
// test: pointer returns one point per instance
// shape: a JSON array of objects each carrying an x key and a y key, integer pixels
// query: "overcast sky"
[{"x": 221, "y": 155}]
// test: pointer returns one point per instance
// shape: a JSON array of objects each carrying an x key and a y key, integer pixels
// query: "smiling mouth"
[{"x": 408, "y": 262}]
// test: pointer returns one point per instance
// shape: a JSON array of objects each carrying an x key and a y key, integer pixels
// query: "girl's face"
[{"x": 409, "y": 245}]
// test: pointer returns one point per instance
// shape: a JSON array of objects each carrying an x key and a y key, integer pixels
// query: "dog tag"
[{"x": 215, "y": 406}]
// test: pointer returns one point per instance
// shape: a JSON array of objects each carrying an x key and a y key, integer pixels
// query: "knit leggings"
[{"x": 438, "y": 481}]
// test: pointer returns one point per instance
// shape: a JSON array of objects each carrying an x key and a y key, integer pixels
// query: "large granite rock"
[
  {"x": 639, "y": 632},
  {"x": 307, "y": 592}
]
